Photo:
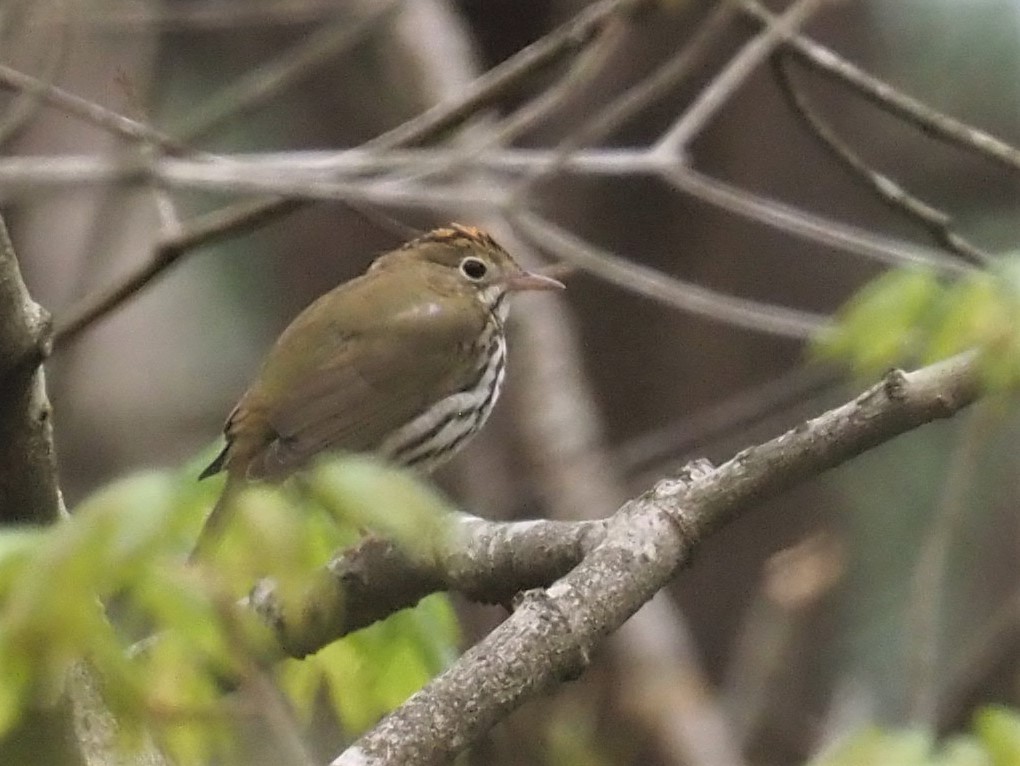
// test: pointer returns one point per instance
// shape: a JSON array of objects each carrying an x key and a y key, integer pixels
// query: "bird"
[{"x": 405, "y": 362}]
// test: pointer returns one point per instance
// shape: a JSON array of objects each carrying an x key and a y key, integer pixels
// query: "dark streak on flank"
[{"x": 432, "y": 433}]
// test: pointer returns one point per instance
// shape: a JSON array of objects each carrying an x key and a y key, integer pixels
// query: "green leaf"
[
  {"x": 367, "y": 494},
  {"x": 971, "y": 317},
  {"x": 125, "y": 547},
  {"x": 963, "y": 750},
  {"x": 571, "y": 736},
  {"x": 15, "y": 678},
  {"x": 883, "y": 324},
  {"x": 910, "y": 316},
  {"x": 999, "y": 730},
  {"x": 371, "y": 672},
  {"x": 874, "y": 746}
]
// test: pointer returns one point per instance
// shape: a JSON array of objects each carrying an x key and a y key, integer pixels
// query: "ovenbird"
[{"x": 405, "y": 361}]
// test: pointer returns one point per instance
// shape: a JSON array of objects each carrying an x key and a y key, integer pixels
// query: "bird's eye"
[{"x": 473, "y": 268}]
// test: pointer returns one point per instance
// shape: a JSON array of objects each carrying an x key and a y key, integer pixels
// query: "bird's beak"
[{"x": 526, "y": 280}]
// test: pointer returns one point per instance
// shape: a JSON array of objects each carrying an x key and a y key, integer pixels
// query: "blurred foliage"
[
  {"x": 994, "y": 741},
  {"x": 911, "y": 317},
  {"x": 125, "y": 548},
  {"x": 571, "y": 737}
]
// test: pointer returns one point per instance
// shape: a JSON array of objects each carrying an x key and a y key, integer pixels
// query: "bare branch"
[
  {"x": 118, "y": 125},
  {"x": 28, "y": 491},
  {"x": 24, "y": 107},
  {"x": 781, "y": 216},
  {"x": 492, "y": 86},
  {"x": 675, "y": 141},
  {"x": 265, "y": 82},
  {"x": 938, "y": 223},
  {"x": 740, "y": 312},
  {"x": 487, "y": 561},
  {"x": 930, "y": 121},
  {"x": 571, "y": 36},
  {"x": 310, "y": 174},
  {"x": 706, "y": 427},
  {"x": 202, "y": 230},
  {"x": 553, "y": 632}
]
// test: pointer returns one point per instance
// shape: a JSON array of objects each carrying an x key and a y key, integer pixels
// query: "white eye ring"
[{"x": 473, "y": 268}]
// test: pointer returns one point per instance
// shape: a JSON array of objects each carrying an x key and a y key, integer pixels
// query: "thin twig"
[
  {"x": 25, "y": 106},
  {"x": 118, "y": 125},
  {"x": 694, "y": 299},
  {"x": 267, "y": 80},
  {"x": 231, "y": 15},
  {"x": 929, "y": 121},
  {"x": 202, "y": 230},
  {"x": 588, "y": 64},
  {"x": 778, "y": 215},
  {"x": 693, "y": 120},
  {"x": 502, "y": 79},
  {"x": 488, "y": 88},
  {"x": 661, "y": 81},
  {"x": 706, "y": 427},
  {"x": 938, "y": 223}
]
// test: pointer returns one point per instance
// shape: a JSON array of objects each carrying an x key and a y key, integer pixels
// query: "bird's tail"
[{"x": 216, "y": 521}]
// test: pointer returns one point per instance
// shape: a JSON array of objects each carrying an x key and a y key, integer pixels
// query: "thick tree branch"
[
  {"x": 28, "y": 485},
  {"x": 78, "y": 730},
  {"x": 487, "y": 561},
  {"x": 607, "y": 570},
  {"x": 553, "y": 632}
]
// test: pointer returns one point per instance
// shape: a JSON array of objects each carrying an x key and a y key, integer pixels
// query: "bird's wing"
[{"x": 376, "y": 377}]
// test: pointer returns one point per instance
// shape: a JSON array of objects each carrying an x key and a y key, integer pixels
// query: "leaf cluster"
[
  {"x": 993, "y": 741},
  {"x": 110, "y": 588},
  {"x": 913, "y": 317}
]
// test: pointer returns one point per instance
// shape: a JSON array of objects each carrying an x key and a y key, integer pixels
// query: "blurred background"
[{"x": 801, "y": 622}]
